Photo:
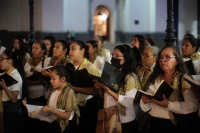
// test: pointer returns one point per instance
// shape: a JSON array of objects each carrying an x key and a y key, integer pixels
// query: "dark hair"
[
  {"x": 93, "y": 43},
  {"x": 18, "y": 64},
  {"x": 22, "y": 48},
  {"x": 65, "y": 45},
  {"x": 100, "y": 38},
  {"x": 151, "y": 41},
  {"x": 193, "y": 41},
  {"x": 129, "y": 64},
  {"x": 42, "y": 45},
  {"x": 179, "y": 67},
  {"x": 141, "y": 40},
  {"x": 64, "y": 70},
  {"x": 52, "y": 40},
  {"x": 82, "y": 46},
  {"x": 188, "y": 35}
]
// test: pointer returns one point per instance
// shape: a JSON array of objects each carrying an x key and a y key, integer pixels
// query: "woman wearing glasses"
[
  {"x": 122, "y": 59},
  {"x": 11, "y": 117},
  {"x": 169, "y": 67},
  {"x": 149, "y": 57}
]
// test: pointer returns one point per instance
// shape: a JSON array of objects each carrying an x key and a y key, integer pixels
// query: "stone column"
[
  {"x": 170, "y": 37},
  {"x": 31, "y": 36}
]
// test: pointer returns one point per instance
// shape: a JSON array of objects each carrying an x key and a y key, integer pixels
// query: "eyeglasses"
[
  {"x": 166, "y": 57},
  {"x": 115, "y": 55},
  {"x": 3, "y": 59},
  {"x": 146, "y": 55}
]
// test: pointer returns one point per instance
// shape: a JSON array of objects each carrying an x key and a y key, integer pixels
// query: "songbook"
[
  {"x": 193, "y": 82},
  {"x": 37, "y": 75},
  {"x": 190, "y": 67},
  {"x": 8, "y": 79},
  {"x": 111, "y": 77},
  {"x": 163, "y": 89},
  {"x": 35, "y": 111},
  {"x": 81, "y": 79}
]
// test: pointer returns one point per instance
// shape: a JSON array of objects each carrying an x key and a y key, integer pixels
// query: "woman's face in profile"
[
  {"x": 58, "y": 50},
  {"x": 100, "y": 45},
  {"x": 135, "y": 42},
  {"x": 187, "y": 48}
]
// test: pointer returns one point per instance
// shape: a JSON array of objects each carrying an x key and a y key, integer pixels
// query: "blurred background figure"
[
  {"x": 2, "y": 48},
  {"x": 149, "y": 42},
  {"x": 101, "y": 51},
  {"x": 138, "y": 45},
  {"x": 50, "y": 42},
  {"x": 93, "y": 56},
  {"x": 20, "y": 49}
]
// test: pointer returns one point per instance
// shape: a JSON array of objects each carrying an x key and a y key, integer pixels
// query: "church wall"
[{"x": 59, "y": 16}]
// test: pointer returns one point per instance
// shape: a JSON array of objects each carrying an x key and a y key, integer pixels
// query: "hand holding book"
[
  {"x": 163, "y": 89},
  {"x": 164, "y": 103}
]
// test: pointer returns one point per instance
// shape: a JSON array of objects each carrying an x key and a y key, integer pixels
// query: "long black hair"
[
  {"x": 52, "y": 40},
  {"x": 141, "y": 41},
  {"x": 18, "y": 64},
  {"x": 22, "y": 47},
  {"x": 129, "y": 64}
]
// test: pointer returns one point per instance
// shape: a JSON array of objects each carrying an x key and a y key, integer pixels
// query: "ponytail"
[{"x": 18, "y": 64}]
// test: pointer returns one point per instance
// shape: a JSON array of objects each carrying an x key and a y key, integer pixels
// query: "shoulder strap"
[
  {"x": 43, "y": 62},
  {"x": 181, "y": 98}
]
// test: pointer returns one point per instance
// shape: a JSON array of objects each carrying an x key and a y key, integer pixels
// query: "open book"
[
  {"x": 163, "y": 89},
  {"x": 35, "y": 111},
  {"x": 194, "y": 82},
  {"x": 37, "y": 75}
]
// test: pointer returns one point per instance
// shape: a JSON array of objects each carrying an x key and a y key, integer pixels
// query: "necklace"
[{"x": 9, "y": 71}]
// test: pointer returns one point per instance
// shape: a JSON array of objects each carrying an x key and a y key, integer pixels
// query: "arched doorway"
[{"x": 101, "y": 22}]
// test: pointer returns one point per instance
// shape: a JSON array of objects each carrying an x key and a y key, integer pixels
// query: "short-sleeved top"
[
  {"x": 35, "y": 91},
  {"x": 16, "y": 87}
]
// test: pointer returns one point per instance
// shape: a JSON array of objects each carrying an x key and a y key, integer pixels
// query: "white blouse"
[
  {"x": 35, "y": 91},
  {"x": 125, "y": 100},
  {"x": 16, "y": 87},
  {"x": 189, "y": 105}
]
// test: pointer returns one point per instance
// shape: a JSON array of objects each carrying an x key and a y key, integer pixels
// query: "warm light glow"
[{"x": 103, "y": 17}]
